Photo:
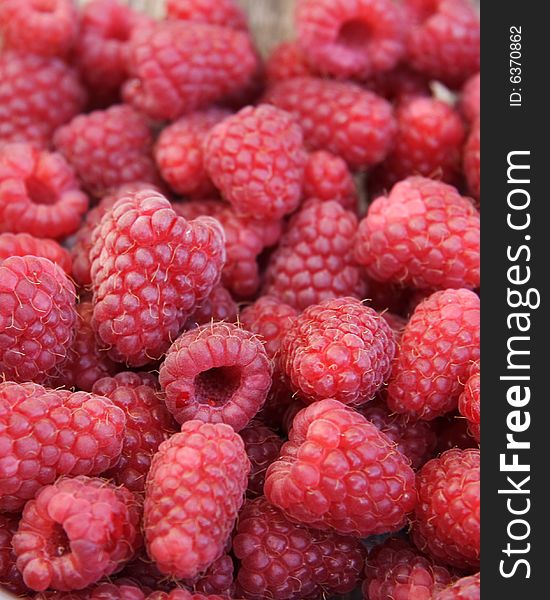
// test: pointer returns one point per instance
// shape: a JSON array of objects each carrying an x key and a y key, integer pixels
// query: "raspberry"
[
  {"x": 179, "y": 67},
  {"x": 219, "y": 306},
  {"x": 121, "y": 590},
  {"x": 438, "y": 345},
  {"x": 397, "y": 570},
  {"x": 467, "y": 588},
  {"x": 282, "y": 560},
  {"x": 270, "y": 319},
  {"x": 415, "y": 439},
  {"x": 262, "y": 446},
  {"x": 217, "y": 373},
  {"x": 470, "y": 103},
  {"x": 327, "y": 177},
  {"x": 256, "y": 159},
  {"x": 22, "y": 244},
  {"x": 148, "y": 424},
  {"x": 226, "y": 13},
  {"x": 350, "y": 38},
  {"x": 314, "y": 260},
  {"x": 444, "y": 42},
  {"x": 108, "y": 148},
  {"x": 37, "y": 95},
  {"x": 37, "y": 318},
  {"x": 468, "y": 402},
  {"x": 423, "y": 234},
  {"x": 43, "y": 27},
  {"x": 167, "y": 266},
  {"x": 337, "y": 471},
  {"x": 179, "y": 155},
  {"x": 447, "y": 514},
  {"x": 75, "y": 532},
  {"x": 399, "y": 84},
  {"x": 10, "y": 577},
  {"x": 218, "y": 578},
  {"x": 429, "y": 142},
  {"x": 341, "y": 118},
  {"x": 338, "y": 349},
  {"x": 39, "y": 193},
  {"x": 472, "y": 160},
  {"x": 286, "y": 61},
  {"x": 57, "y": 433},
  {"x": 182, "y": 594},
  {"x": 194, "y": 491}
]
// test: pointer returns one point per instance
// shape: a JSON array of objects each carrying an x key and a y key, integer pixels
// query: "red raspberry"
[
  {"x": 341, "y": 118},
  {"x": 417, "y": 440},
  {"x": 314, "y": 260},
  {"x": 10, "y": 578},
  {"x": 467, "y": 588},
  {"x": 182, "y": 594},
  {"x": 43, "y": 27},
  {"x": 168, "y": 266},
  {"x": 101, "y": 51},
  {"x": 453, "y": 432},
  {"x": 470, "y": 103},
  {"x": 179, "y": 155},
  {"x": 75, "y": 532},
  {"x": 219, "y": 306},
  {"x": 422, "y": 234},
  {"x": 397, "y": 570},
  {"x": 399, "y": 84},
  {"x": 337, "y": 471},
  {"x": 262, "y": 446},
  {"x": 245, "y": 238},
  {"x": 447, "y": 513},
  {"x": 286, "y": 61},
  {"x": 256, "y": 159},
  {"x": 327, "y": 177},
  {"x": 57, "y": 433},
  {"x": 429, "y": 142},
  {"x": 444, "y": 42},
  {"x": 270, "y": 319},
  {"x": 178, "y": 67},
  {"x": 283, "y": 560},
  {"x": 218, "y": 578},
  {"x": 226, "y": 13},
  {"x": 472, "y": 160},
  {"x": 37, "y": 318},
  {"x": 37, "y": 95},
  {"x": 148, "y": 424},
  {"x": 194, "y": 491},
  {"x": 469, "y": 400},
  {"x": 121, "y": 590},
  {"x": 350, "y": 38},
  {"x": 23, "y": 244},
  {"x": 39, "y": 193},
  {"x": 338, "y": 349},
  {"x": 108, "y": 148},
  {"x": 438, "y": 345},
  {"x": 217, "y": 373}
]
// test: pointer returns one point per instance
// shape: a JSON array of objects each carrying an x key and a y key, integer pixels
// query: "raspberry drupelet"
[
  {"x": 466, "y": 588},
  {"x": 217, "y": 373},
  {"x": 337, "y": 471},
  {"x": 75, "y": 532},
  {"x": 194, "y": 491},
  {"x": 22, "y": 244},
  {"x": 469, "y": 400},
  {"x": 472, "y": 160},
  {"x": 226, "y": 13}
]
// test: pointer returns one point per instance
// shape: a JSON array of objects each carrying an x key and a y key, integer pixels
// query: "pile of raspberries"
[{"x": 239, "y": 302}]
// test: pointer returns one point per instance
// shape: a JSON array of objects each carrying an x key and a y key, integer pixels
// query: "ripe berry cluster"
[{"x": 239, "y": 310}]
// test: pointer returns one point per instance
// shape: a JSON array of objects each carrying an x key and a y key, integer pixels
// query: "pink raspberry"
[
  {"x": 218, "y": 306},
  {"x": 423, "y": 234},
  {"x": 22, "y": 244},
  {"x": 177, "y": 67},
  {"x": 39, "y": 193},
  {"x": 168, "y": 266},
  {"x": 397, "y": 570},
  {"x": 217, "y": 373},
  {"x": 339, "y": 117},
  {"x": 338, "y": 349},
  {"x": 226, "y": 13},
  {"x": 194, "y": 491},
  {"x": 108, "y": 148},
  {"x": 469, "y": 400},
  {"x": 286, "y": 61},
  {"x": 438, "y": 345},
  {"x": 43, "y": 27},
  {"x": 472, "y": 160},
  {"x": 467, "y": 588},
  {"x": 283, "y": 560},
  {"x": 75, "y": 532},
  {"x": 470, "y": 102},
  {"x": 37, "y": 318},
  {"x": 327, "y": 177},
  {"x": 399, "y": 84},
  {"x": 446, "y": 522},
  {"x": 179, "y": 154},
  {"x": 337, "y": 471},
  {"x": 314, "y": 260},
  {"x": 10, "y": 577},
  {"x": 37, "y": 95},
  {"x": 444, "y": 41},
  {"x": 58, "y": 433},
  {"x": 256, "y": 159}
]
